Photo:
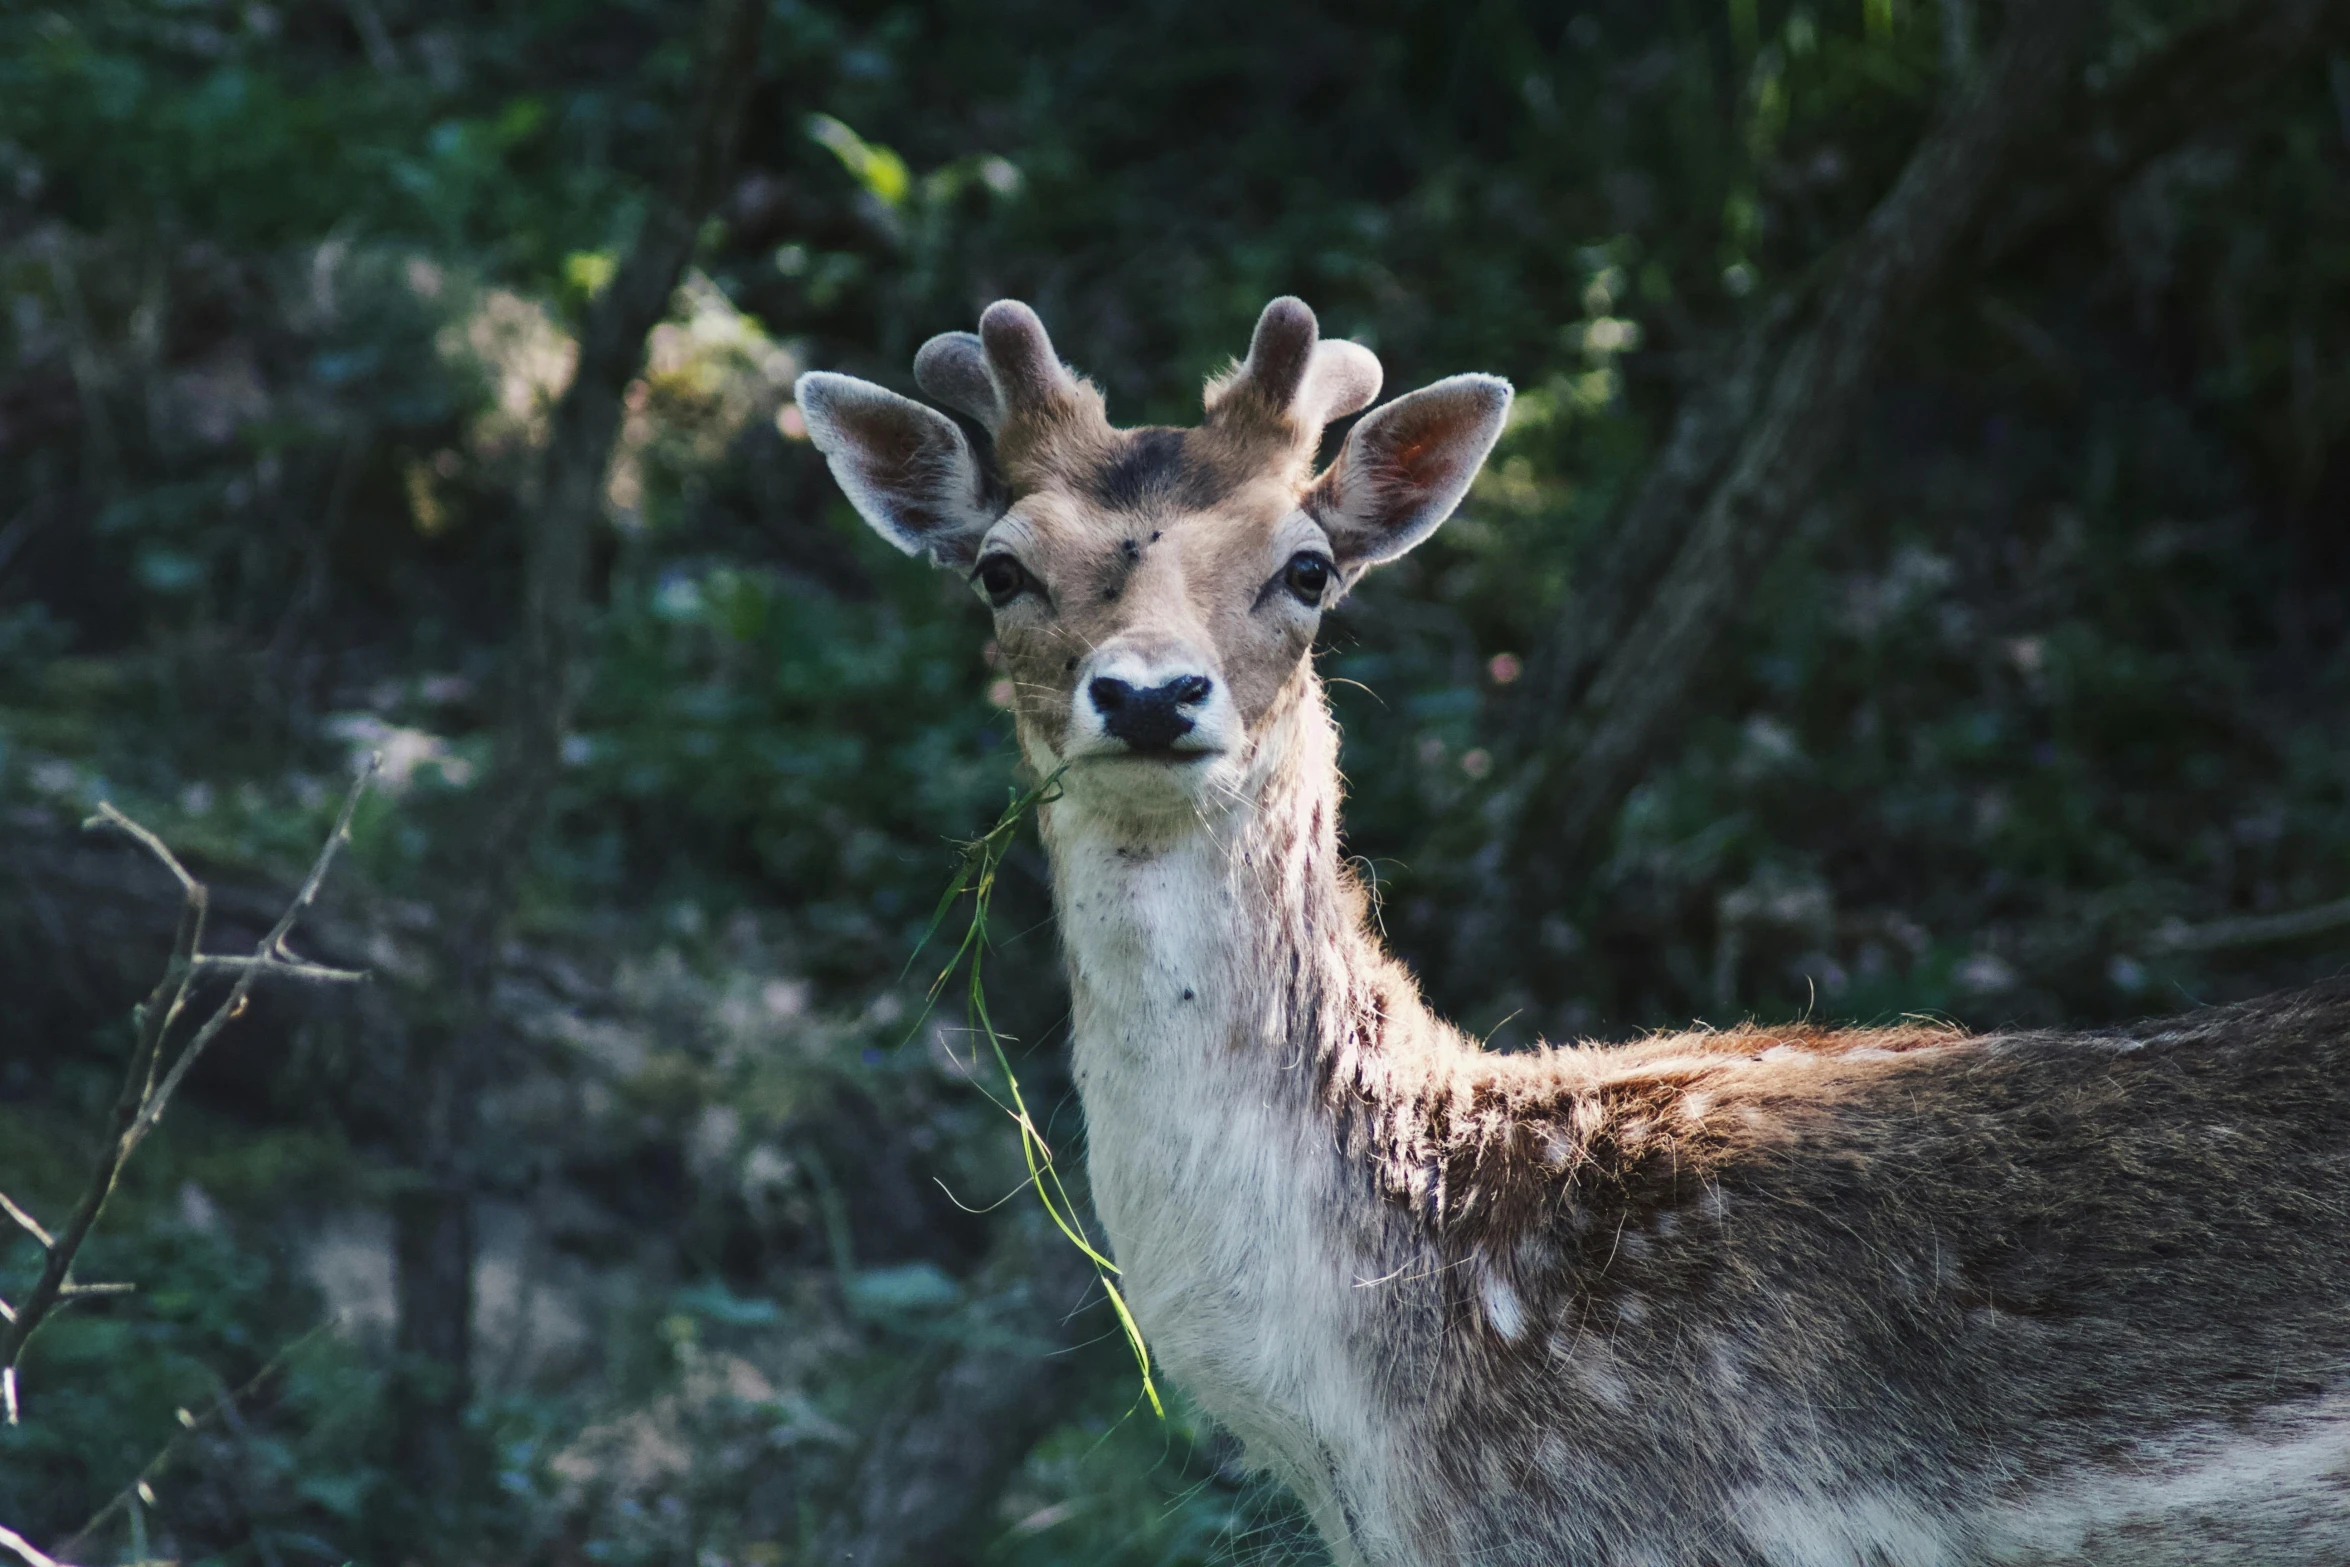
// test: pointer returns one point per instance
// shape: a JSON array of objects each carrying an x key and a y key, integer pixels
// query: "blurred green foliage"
[{"x": 2059, "y": 659}]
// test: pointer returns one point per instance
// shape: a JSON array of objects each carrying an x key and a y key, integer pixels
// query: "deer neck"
[
  {"x": 1220, "y": 976},
  {"x": 1226, "y": 945}
]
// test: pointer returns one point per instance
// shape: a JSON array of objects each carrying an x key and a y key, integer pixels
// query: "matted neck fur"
[{"x": 1804, "y": 1298}]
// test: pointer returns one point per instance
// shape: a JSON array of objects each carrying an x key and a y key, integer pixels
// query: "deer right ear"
[
  {"x": 906, "y": 468},
  {"x": 1405, "y": 467}
]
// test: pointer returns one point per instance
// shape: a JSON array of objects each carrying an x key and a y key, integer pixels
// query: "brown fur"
[
  {"x": 1156, "y": 572},
  {"x": 1757, "y": 1297}
]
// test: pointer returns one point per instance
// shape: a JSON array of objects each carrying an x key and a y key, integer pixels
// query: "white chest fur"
[{"x": 1216, "y": 1192}]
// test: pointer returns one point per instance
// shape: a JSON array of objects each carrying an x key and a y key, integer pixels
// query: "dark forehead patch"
[{"x": 1161, "y": 464}]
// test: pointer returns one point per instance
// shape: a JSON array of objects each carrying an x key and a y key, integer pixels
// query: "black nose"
[{"x": 1149, "y": 718}]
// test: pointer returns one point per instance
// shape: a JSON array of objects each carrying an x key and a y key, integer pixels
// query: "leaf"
[
  {"x": 976, "y": 874},
  {"x": 879, "y": 169}
]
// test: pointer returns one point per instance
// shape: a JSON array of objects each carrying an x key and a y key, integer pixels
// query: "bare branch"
[
  {"x": 32, "y": 1226},
  {"x": 270, "y": 944},
  {"x": 155, "y": 1016},
  {"x": 224, "y": 1405},
  {"x": 142, "y": 1100},
  {"x": 281, "y": 968},
  {"x": 108, "y": 816},
  {"x": 24, "y": 1548},
  {"x": 326, "y": 853},
  {"x": 163, "y": 1005}
]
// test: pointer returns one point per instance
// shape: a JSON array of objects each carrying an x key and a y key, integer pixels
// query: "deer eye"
[
  {"x": 1002, "y": 579},
  {"x": 1307, "y": 576}
]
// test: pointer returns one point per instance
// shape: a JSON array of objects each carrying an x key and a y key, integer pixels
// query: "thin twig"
[
  {"x": 281, "y": 968},
  {"x": 154, "y": 1017},
  {"x": 163, "y": 1006},
  {"x": 272, "y": 945},
  {"x": 110, "y": 817},
  {"x": 223, "y": 1405},
  {"x": 24, "y": 1548},
  {"x": 142, "y": 1100},
  {"x": 32, "y": 1225}
]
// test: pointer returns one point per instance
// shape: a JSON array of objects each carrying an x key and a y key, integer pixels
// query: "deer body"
[{"x": 1760, "y": 1298}]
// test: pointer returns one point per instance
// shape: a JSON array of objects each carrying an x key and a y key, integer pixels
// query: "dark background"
[{"x": 2030, "y": 711}]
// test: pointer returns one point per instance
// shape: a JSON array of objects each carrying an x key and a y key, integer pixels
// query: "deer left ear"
[
  {"x": 1405, "y": 467},
  {"x": 906, "y": 468}
]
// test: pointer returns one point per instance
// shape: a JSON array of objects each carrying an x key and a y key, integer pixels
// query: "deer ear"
[
  {"x": 905, "y": 467},
  {"x": 1405, "y": 467}
]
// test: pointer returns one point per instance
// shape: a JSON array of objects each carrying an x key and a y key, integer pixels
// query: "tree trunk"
[
  {"x": 1741, "y": 467},
  {"x": 482, "y": 860},
  {"x": 1638, "y": 686},
  {"x": 432, "y": 1272}
]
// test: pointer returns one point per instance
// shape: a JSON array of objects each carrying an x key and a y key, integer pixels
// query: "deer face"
[{"x": 1156, "y": 591}]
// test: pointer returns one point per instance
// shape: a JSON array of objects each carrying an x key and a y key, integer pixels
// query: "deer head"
[{"x": 1156, "y": 591}]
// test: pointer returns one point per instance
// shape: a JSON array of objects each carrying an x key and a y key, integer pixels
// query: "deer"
[{"x": 1756, "y": 1296}]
